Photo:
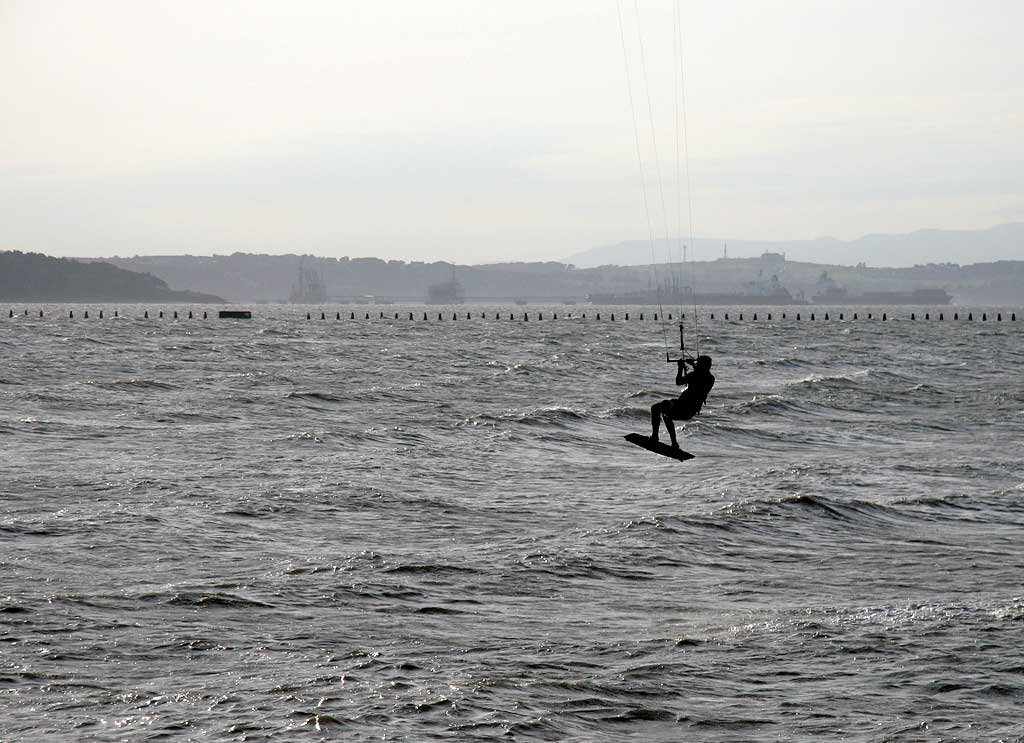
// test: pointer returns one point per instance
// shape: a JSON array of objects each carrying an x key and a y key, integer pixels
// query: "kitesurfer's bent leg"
[
  {"x": 663, "y": 411},
  {"x": 656, "y": 413},
  {"x": 670, "y": 426}
]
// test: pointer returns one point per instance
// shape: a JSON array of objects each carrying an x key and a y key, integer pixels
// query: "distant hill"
[
  {"x": 268, "y": 278},
  {"x": 1004, "y": 242},
  {"x": 35, "y": 277}
]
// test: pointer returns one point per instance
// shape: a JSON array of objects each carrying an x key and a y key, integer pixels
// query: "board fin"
[{"x": 646, "y": 442}]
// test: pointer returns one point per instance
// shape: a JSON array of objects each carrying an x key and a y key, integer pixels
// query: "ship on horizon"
[
  {"x": 447, "y": 292},
  {"x": 309, "y": 287},
  {"x": 928, "y": 296},
  {"x": 759, "y": 292}
]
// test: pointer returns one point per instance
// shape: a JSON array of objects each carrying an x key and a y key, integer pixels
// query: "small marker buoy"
[
  {"x": 175, "y": 314},
  {"x": 884, "y": 318},
  {"x": 826, "y": 316},
  {"x": 812, "y": 315},
  {"x": 40, "y": 313},
  {"x": 323, "y": 316},
  {"x": 741, "y": 317},
  {"x": 146, "y": 315},
  {"x": 797, "y": 315},
  {"x": 352, "y": 316},
  {"x": 681, "y": 317},
  {"x": 869, "y": 316},
  {"x": 556, "y": 316},
  {"x": 101, "y": 314},
  {"x": 598, "y": 315},
  {"x": 584, "y": 315},
  {"x": 540, "y": 315},
  {"x": 783, "y": 315},
  {"x": 410, "y": 316},
  {"x": 942, "y": 316},
  {"x": 755, "y": 317},
  {"x": 367, "y": 316},
  {"x": 912, "y": 317},
  {"x": 337, "y": 315},
  {"x": 999, "y": 317},
  {"x": 438, "y": 315},
  {"x": 726, "y": 315},
  {"x": 984, "y": 317},
  {"x": 927, "y": 316},
  {"x": 307, "y": 315},
  {"x": 854, "y": 315},
  {"x": 712, "y": 316},
  {"x": 71, "y": 314},
  {"x": 454, "y": 317},
  {"x": 970, "y": 316},
  {"x": 840, "y": 315},
  {"x": 396, "y": 315},
  {"x": 424, "y": 315},
  {"x": 956, "y": 315},
  {"x": 382, "y": 314},
  {"x": 655, "y": 317},
  {"x": 190, "y": 314},
  {"x": 670, "y": 316},
  {"x": 613, "y": 317},
  {"x": 526, "y": 317},
  {"x": 204, "y": 314},
  {"x": 641, "y": 315},
  {"x": 1013, "y": 316},
  {"x": 769, "y": 315},
  {"x": 87, "y": 314}
]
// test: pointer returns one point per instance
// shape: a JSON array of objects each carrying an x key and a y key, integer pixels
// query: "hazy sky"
[{"x": 479, "y": 131}]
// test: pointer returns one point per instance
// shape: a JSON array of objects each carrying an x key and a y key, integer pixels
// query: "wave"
[
  {"x": 555, "y": 415},
  {"x": 627, "y": 412},
  {"x": 204, "y": 599},
  {"x": 784, "y": 362},
  {"x": 315, "y": 396},
  {"x": 132, "y": 384},
  {"x": 773, "y": 404},
  {"x": 429, "y": 569}
]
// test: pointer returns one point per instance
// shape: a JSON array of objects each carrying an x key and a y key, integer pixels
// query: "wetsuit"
[{"x": 698, "y": 387}]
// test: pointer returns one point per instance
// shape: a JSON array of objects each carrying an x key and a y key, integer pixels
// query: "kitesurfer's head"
[{"x": 703, "y": 363}]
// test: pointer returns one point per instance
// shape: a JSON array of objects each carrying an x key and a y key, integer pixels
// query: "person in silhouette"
[{"x": 698, "y": 384}]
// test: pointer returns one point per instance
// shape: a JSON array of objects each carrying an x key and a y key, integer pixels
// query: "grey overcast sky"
[{"x": 478, "y": 131}]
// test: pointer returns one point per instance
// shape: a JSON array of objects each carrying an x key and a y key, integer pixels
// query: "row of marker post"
[
  {"x": 597, "y": 316},
  {"x": 85, "y": 314}
]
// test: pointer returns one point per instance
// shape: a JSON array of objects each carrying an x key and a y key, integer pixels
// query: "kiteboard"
[{"x": 646, "y": 442}]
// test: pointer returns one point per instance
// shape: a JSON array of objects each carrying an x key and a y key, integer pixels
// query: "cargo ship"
[
  {"x": 838, "y": 295},
  {"x": 309, "y": 287},
  {"x": 447, "y": 292},
  {"x": 777, "y": 296}
]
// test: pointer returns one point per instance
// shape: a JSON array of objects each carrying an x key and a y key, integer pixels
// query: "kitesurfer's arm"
[{"x": 681, "y": 371}]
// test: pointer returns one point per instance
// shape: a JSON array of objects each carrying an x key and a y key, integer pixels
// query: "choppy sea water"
[{"x": 283, "y": 529}]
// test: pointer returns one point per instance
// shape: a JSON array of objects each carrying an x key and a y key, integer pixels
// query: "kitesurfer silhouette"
[{"x": 698, "y": 384}]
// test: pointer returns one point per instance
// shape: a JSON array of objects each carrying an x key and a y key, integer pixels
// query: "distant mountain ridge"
[
  {"x": 243, "y": 277},
  {"x": 34, "y": 277},
  {"x": 1002, "y": 242}
]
